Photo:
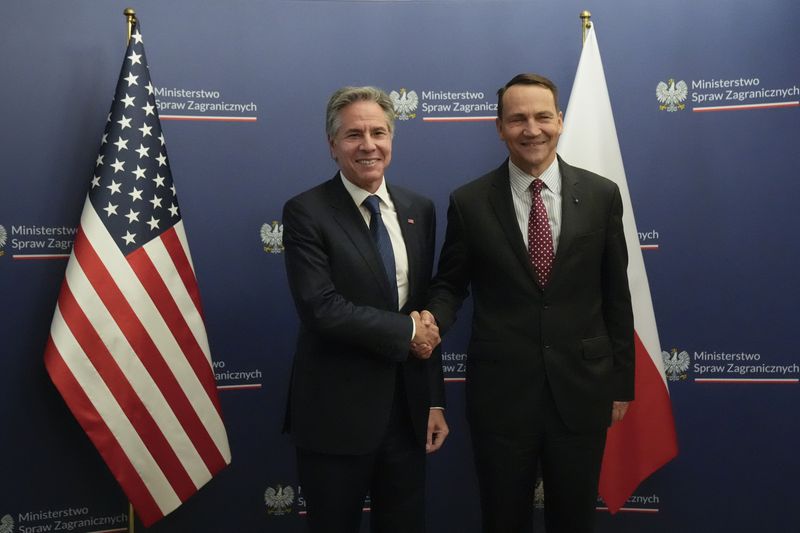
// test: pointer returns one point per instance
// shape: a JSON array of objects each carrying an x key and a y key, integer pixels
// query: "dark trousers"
[
  {"x": 394, "y": 475},
  {"x": 507, "y": 469}
]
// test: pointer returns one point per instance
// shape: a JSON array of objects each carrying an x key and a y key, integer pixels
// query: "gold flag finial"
[
  {"x": 130, "y": 14},
  {"x": 586, "y": 23}
]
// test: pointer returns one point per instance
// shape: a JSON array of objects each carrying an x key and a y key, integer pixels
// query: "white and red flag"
[
  {"x": 128, "y": 349},
  {"x": 645, "y": 439}
]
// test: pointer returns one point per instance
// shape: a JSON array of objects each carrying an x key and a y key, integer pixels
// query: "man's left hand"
[
  {"x": 437, "y": 430},
  {"x": 618, "y": 410}
]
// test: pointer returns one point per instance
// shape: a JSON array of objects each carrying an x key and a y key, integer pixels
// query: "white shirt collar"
[
  {"x": 521, "y": 181},
  {"x": 359, "y": 195}
]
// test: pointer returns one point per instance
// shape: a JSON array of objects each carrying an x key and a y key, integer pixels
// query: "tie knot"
[
  {"x": 536, "y": 186},
  {"x": 372, "y": 203}
]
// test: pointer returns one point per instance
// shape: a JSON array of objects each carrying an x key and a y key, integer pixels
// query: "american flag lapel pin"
[{"x": 410, "y": 220}]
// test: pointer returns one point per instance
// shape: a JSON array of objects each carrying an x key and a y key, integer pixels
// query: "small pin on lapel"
[{"x": 410, "y": 220}]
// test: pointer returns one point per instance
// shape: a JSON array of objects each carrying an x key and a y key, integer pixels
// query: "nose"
[
  {"x": 531, "y": 128},
  {"x": 367, "y": 143}
]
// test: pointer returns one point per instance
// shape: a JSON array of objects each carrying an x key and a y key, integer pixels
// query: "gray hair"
[{"x": 348, "y": 95}]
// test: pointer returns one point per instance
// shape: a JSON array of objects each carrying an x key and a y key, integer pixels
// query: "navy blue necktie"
[{"x": 384, "y": 244}]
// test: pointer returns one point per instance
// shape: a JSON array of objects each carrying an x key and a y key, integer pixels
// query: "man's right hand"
[{"x": 427, "y": 335}]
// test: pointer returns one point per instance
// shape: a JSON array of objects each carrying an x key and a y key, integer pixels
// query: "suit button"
[{"x": 546, "y": 346}]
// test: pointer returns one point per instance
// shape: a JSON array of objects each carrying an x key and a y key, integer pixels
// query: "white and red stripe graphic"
[
  {"x": 645, "y": 439},
  {"x": 127, "y": 347}
]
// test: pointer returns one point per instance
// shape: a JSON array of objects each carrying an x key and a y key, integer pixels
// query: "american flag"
[{"x": 127, "y": 347}]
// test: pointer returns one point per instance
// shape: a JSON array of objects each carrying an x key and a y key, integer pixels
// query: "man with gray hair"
[{"x": 367, "y": 391}]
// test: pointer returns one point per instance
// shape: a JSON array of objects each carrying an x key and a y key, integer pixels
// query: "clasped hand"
[{"x": 426, "y": 337}]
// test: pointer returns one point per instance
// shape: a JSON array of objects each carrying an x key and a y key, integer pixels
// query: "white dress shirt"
[
  {"x": 551, "y": 196},
  {"x": 389, "y": 216}
]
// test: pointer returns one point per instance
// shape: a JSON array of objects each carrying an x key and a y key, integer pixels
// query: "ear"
[
  {"x": 331, "y": 143},
  {"x": 560, "y": 122},
  {"x": 498, "y": 123}
]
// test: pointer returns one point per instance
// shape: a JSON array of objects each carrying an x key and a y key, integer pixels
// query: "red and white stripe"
[
  {"x": 129, "y": 354},
  {"x": 645, "y": 439}
]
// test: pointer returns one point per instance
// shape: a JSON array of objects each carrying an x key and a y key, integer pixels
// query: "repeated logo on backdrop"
[
  {"x": 724, "y": 94},
  {"x": 279, "y": 499},
  {"x": 671, "y": 95},
  {"x": 458, "y": 105},
  {"x": 236, "y": 378},
  {"x": 272, "y": 237},
  {"x": 3, "y": 237},
  {"x": 7, "y": 524},
  {"x": 718, "y": 366},
  {"x": 35, "y": 241},
  {"x": 178, "y": 103},
  {"x": 676, "y": 364},
  {"x": 454, "y": 366},
  {"x": 69, "y": 519},
  {"x": 405, "y": 103},
  {"x": 636, "y": 503}
]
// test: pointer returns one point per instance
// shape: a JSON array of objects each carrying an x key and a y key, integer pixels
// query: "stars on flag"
[
  {"x": 134, "y": 195},
  {"x": 114, "y": 187},
  {"x": 121, "y": 144}
]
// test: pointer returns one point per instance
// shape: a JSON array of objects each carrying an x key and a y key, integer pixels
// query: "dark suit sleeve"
[
  {"x": 434, "y": 364},
  {"x": 617, "y": 311},
  {"x": 324, "y": 310},
  {"x": 449, "y": 287}
]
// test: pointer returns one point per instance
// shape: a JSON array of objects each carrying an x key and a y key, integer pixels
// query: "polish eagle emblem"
[
  {"x": 676, "y": 364},
  {"x": 671, "y": 95},
  {"x": 6, "y": 523},
  {"x": 272, "y": 237},
  {"x": 279, "y": 499},
  {"x": 405, "y": 103}
]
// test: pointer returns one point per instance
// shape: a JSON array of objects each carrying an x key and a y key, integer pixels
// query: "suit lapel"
[
  {"x": 570, "y": 214},
  {"x": 407, "y": 216},
  {"x": 346, "y": 214},
  {"x": 503, "y": 206}
]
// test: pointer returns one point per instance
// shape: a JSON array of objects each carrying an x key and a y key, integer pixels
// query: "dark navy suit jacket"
[{"x": 351, "y": 341}]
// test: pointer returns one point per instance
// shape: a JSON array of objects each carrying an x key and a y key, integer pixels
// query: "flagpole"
[
  {"x": 130, "y": 15},
  {"x": 586, "y": 23}
]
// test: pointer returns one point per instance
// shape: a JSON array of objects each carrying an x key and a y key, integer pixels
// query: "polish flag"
[{"x": 645, "y": 439}]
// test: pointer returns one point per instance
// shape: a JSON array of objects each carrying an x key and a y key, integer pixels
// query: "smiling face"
[
  {"x": 362, "y": 146},
  {"x": 530, "y": 126}
]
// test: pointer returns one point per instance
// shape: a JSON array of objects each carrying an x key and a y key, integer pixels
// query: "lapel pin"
[{"x": 410, "y": 220}]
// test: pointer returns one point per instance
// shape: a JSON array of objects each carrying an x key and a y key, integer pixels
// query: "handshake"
[{"x": 426, "y": 337}]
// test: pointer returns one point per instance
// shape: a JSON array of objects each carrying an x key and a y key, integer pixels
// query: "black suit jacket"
[
  {"x": 577, "y": 333},
  {"x": 351, "y": 341}
]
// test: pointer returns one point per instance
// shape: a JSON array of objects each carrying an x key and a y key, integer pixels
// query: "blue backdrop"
[{"x": 715, "y": 189}]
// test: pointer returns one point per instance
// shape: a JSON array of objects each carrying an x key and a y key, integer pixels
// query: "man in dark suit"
[
  {"x": 550, "y": 360},
  {"x": 363, "y": 407}
]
